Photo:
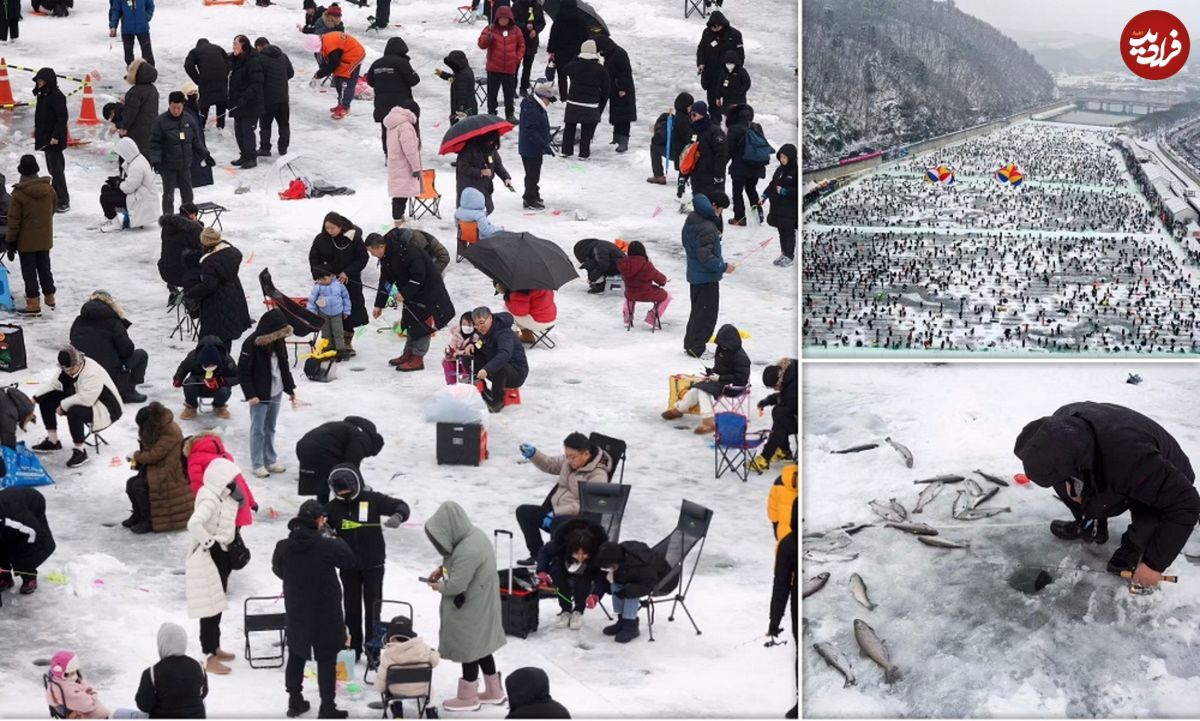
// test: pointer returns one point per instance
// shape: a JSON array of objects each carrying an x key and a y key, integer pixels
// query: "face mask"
[
  {"x": 730, "y": 67},
  {"x": 467, "y": 330},
  {"x": 574, "y": 566}
]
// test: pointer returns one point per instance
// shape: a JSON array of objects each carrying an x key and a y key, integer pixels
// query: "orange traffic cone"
[
  {"x": 7, "y": 102},
  {"x": 87, "y": 111}
]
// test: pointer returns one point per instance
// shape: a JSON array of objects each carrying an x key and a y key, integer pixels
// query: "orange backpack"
[{"x": 688, "y": 158}]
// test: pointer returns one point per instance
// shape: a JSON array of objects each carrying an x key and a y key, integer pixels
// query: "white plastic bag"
[{"x": 459, "y": 403}]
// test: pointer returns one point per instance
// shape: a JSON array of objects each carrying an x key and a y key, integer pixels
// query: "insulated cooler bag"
[
  {"x": 518, "y": 593},
  {"x": 12, "y": 348}
]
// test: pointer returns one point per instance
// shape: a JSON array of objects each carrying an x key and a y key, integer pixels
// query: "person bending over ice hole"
[
  {"x": 319, "y": 451},
  {"x": 355, "y": 514},
  {"x": 785, "y": 416},
  {"x": 632, "y": 570},
  {"x": 84, "y": 393},
  {"x": 206, "y": 372},
  {"x": 425, "y": 304},
  {"x": 25, "y": 538},
  {"x": 731, "y": 367},
  {"x": 101, "y": 332},
  {"x": 1102, "y": 459},
  {"x": 160, "y": 494},
  {"x": 568, "y": 565},
  {"x": 174, "y": 687},
  {"x": 581, "y": 462},
  {"x": 499, "y": 355}
]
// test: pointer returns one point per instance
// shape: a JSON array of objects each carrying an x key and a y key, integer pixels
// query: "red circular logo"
[{"x": 1155, "y": 45}]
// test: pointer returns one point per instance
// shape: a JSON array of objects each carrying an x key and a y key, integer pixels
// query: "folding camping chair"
[
  {"x": 481, "y": 90},
  {"x": 274, "y": 622},
  {"x": 186, "y": 326},
  {"x": 468, "y": 234},
  {"x": 429, "y": 201},
  {"x": 92, "y": 439},
  {"x": 692, "y": 7},
  {"x": 631, "y": 310},
  {"x": 604, "y": 503},
  {"x": 556, "y": 139},
  {"x": 465, "y": 15},
  {"x": 541, "y": 336},
  {"x": 408, "y": 673},
  {"x": 690, "y": 530},
  {"x": 615, "y": 448},
  {"x": 304, "y": 324},
  {"x": 57, "y": 710},
  {"x": 212, "y": 209},
  {"x": 379, "y": 632}
]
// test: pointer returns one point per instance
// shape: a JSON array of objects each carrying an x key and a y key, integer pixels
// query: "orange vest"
[
  {"x": 352, "y": 51},
  {"x": 779, "y": 501}
]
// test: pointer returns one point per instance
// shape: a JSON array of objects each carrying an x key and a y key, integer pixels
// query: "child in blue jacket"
[{"x": 330, "y": 300}]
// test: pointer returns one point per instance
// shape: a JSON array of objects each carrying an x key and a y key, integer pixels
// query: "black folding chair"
[
  {"x": 556, "y": 138},
  {"x": 57, "y": 710},
  {"x": 481, "y": 91},
  {"x": 186, "y": 325},
  {"x": 615, "y": 448},
  {"x": 604, "y": 504},
  {"x": 693, "y": 7},
  {"x": 690, "y": 530},
  {"x": 408, "y": 673},
  {"x": 93, "y": 439},
  {"x": 273, "y": 622},
  {"x": 542, "y": 337}
]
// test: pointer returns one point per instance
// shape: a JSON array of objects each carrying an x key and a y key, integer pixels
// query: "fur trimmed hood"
[{"x": 272, "y": 327}]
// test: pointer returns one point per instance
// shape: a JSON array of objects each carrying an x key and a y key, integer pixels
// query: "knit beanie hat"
[
  {"x": 588, "y": 47},
  {"x": 63, "y": 663},
  {"x": 700, "y": 108},
  {"x": 28, "y": 165},
  {"x": 334, "y": 11},
  {"x": 209, "y": 356},
  {"x": 310, "y": 5},
  {"x": 209, "y": 237}
]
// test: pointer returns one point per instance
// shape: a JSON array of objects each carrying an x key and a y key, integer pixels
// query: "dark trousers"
[
  {"x": 533, "y": 176},
  {"x": 344, "y": 87},
  {"x": 143, "y": 41},
  {"x": 172, "y": 179},
  {"x": 503, "y": 379},
  {"x": 131, "y": 373},
  {"x": 361, "y": 588},
  {"x": 204, "y": 112},
  {"x": 383, "y": 12},
  {"x": 621, "y": 130},
  {"x": 280, "y": 114},
  {"x": 210, "y": 628},
  {"x": 658, "y": 153},
  {"x": 27, "y": 567},
  {"x": 398, "y": 206},
  {"x": 572, "y": 585},
  {"x": 293, "y": 676},
  {"x": 383, "y": 138},
  {"x": 77, "y": 416},
  {"x": 138, "y": 490},
  {"x": 702, "y": 320},
  {"x": 787, "y": 242},
  {"x": 10, "y": 28},
  {"x": 585, "y": 139},
  {"x": 35, "y": 270},
  {"x": 56, "y": 166},
  {"x": 496, "y": 82},
  {"x": 243, "y": 129},
  {"x": 471, "y": 669},
  {"x": 194, "y": 390},
  {"x": 529, "y": 518},
  {"x": 783, "y": 425},
  {"x": 111, "y": 198},
  {"x": 747, "y": 187},
  {"x": 526, "y": 67}
]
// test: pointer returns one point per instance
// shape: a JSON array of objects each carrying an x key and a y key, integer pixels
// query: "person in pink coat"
[
  {"x": 404, "y": 159},
  {"x": 67, "y": 689},
  {"x": 202, "y": 449}
]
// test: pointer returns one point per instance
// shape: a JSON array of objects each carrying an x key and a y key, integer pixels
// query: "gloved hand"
[
  {"x": 592, "y": 600},
  {"x": 12, "y": 253},
  {"x": 212, "y": 384},
  {"x": 544, "y": 579},
  {"x": 459, "y": 600},
  {"x": 548, "y": 521},
  {"x": 394, "y": 521},
  {"x": 254, "y": 508},
  {"x": 209, "y": 162},
  {"x": 527, "y": 450},
  {"x": 774, "y": 631},
  {"x": 761, "y": 404},
  {"x": 178, "y": 383},
  {"x": 155, "y": 167}
]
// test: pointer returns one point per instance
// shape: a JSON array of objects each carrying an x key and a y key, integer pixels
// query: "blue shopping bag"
[{"x": 22, "y": 468}]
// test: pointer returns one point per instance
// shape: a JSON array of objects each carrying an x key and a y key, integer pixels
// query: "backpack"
[
  {"x": 688, "y": 158},
  {"x": 755, "y": 148}
]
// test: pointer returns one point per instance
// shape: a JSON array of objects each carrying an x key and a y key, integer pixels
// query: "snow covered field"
[
  {"x": 966, "y": 643},
  {"x": 120, "y": 587}
]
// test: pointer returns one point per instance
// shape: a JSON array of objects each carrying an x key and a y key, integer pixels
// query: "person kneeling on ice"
[
  {"x": 1102, "y": 459},
  {"x": 632, "y": 569},
  {"x": 320, "y": 450},
  {"x": 306, "y": 561},
  {"x": 529, "y": 695},
  {"x": 643, "y": 283},
  {"x": 208, "y": 371},
  {"x": 581, "y": 462},
  {"x": 65, "y": 688},
  {"x": 174, "y": 687},
  {"x": 568, "y": 565},
  {"x": 25, "y": 538},
  {"x": 600, "y": 259},
  {"x": 84, "y": 393},
  {"x": 729, "y": 375},
  {"x": 355, "y": 514},
  {"x": 403, "y": 648}
]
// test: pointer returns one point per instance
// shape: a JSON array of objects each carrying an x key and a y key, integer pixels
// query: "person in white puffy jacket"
[
  {"x": 403, "y": 648},
  {"x": 83, "y": 393},
  {"x": 212, "y": 528},
  {"x": 141, "y": 191}
]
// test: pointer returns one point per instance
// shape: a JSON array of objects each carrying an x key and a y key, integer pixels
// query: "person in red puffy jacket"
[
  {"x": 202, "y": 449},
  {"x": 505, "y": 47},
  {"x": 643, "y": 284},
  {"x": 532, "y": 310}
]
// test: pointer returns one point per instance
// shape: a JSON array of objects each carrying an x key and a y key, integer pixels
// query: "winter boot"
[
  {"x": 188, "y": 413},
  {"x": 657, "y": 180},
  {"x": 671, "y": 414},
  {"x": 596, "y": 288},
  {"x": 297, "y": 705},
  {"x": 33, "y": 306},
  {"x": 221, "y": 412},
  {"x": 467, "y": 699},
  {"x": 331, "y": 711},
  {"x": 576, "y": 622},
  {"x": 29, "y": 585},
  {"x": 214, "y": 666},
  {"x": 263, "y": 152},
  {"x": 493, "y": 690},
  {"x": 564, "y": 619},
  {"x": 225, "y": 655},
  {"x": 707, "y": 425},
  {"x": 50, "y": 301},
  {"x": 622, "y": 143},
  {"x": 741, "y": 222},
  {"x": 1092, "y": 530},
  {"x": 348, "y": 338},
  {"x": 142, "y": 526},
  {"x": 414, "y": 363},
  {"x": 758, "y": 464},
  {"x": 629, "y": 631},
  {"x": 614, "y": 629},
  {"x": 527, "y": 336},
  {"x": 402, "y": 359}
]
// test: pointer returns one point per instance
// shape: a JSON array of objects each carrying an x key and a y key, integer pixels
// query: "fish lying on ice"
[
  {"x": 834, "y": 658},
  {"x": 859, "y": 588},
  {"x": 902, "y": 450},
  {"x": 814, "y": 584},
  {"x": 874, "y": 648}
]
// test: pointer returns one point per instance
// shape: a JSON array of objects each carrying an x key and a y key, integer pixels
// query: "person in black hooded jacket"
[
  {"x": 785, "y": 416},
  {"x": 427, "y": 307},
  {"x": 1102, "y": 460},
  {"x": 393, "y": 78},
  {"x": 599, "y": 258},
  {"x": 462, "y": 85},
  {"x": 567, "y": 34},
  {"x": 734, "y": 83},
  {"x": 246, "y": 82},
  {"x": 358, "y": 515},
  {"x": 633, "y": 569},
  {"x": 745, "y": 176},
  {"x": 176, "y": 686},
  {"x": 277, "y": 71},
  {"x": 728, "y": 376},
  {"x": 25, "y": 538},
  {"x": 101, "y": 333},
  {"x": 223, "y": 309},
  {"x": 306, "y": 562},
  {"x": 180, "y": 235},
  {"x": 208, "y": 67},
  {"x": 568, "y": 563},
  {"x": 207, "y": 371},
  {"x": 674, "y": 125},
  {"x": 479, "y": 164},
  {"x": 319, "y": 451},
  {"x": 622, "y": 99},
  {"x": 531, "y": 18},
  {"x": 708, "y": 176},
  {"x": 140, "y": 111},
  {"x": 784, "y": 212},
  {"x": 785, "y": 590},
  {"x": 50, "y": 131},
  {"x": 717, "y": 39},
  {"x": 265, "y": 375},
  {"x": 528, "y": 691}
]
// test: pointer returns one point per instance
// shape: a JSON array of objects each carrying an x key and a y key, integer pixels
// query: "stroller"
[{"x": 403, "y": 682}]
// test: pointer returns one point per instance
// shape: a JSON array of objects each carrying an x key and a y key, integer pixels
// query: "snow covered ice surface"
[
  {"x": 119, "y": 587},
  {"x": 966, "y": 643}
]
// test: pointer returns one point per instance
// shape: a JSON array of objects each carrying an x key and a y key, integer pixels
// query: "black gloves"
[
  {"x": 774, "y": 631},
  {"x": 209, "y": 162},
  {"x": 459, "y": 600},
  {"x": 155, "y": 167}
]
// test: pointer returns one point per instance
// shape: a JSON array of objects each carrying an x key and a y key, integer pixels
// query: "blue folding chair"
[{"x": 734, "y": 445}]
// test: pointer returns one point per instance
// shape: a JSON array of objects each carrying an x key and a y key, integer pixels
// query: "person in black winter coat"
[
  {"x": 728, "y": 376},
  {"x": 223, "y": 309},
  {"x": 589, "y": 84},
  {"x": 277, "y": 71},
  {"x": 101, "y": 332},
  {"x": 733, "y": 82},
  {"x": 246, "y": 83},
  {"x": 208, "y": 371},
  {"x": 479, "y": 163},
  {"x": 499, "y": 355},
  {"x": 533, "y": 141},
  {"x": 50, "y": 131},
  {"x": 141, "y": 104},
  {"x": 25, "y": 538},
  {"x": 176, "y": 686},
  {"x": 16, "y": 411},
  {"x": 528, "y": 691},
  {"x": 312, "y": 15},
  {"x": 784, "y": 198},
  {"x": 785, "y": 590},
  {"x": 1102, "y": 459},
  {"x": 673, "y": 128},
  {"x": 709, "y": 174},
  {"x": 175, "y": 140},
  {"x": 426, "y": 306},
  {"x": 717, "y": 39},
  {"x": 599, "y": 258},
  {"x": 201, "y": 171},
  {"x": 745, "y": 176},
  {"x": 358, "y": 515},
  {"x": 531, "y": 18},
  {"x": 462, "y": 85},
  {"x": 265, "y": 375},
  {"x": 306, "y": 562},
  {"x": 351, "y": 440},
  {"x": 10, "y": 19},
  {"x": 569, "y": 564},
  {"x": 633, "y": 569},
  {"x": 785, "y": 416},
  {"x": 567, "y": 34},
  {"x": 393, "y": 78},
  {"x": 180, "y": 235},
  {"x": 622, "y": 99},
  {"x": 208, "y": 66},
  {"x": 340, "y": 246}
]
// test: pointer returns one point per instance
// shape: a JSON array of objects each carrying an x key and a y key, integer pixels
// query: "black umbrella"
[
  {"x": 469, "y": 127},
  {"x": 551, "y": 8},
  {"x": 521, "y": 261}
]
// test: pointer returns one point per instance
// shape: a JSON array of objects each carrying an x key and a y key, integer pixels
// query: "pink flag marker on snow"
[{"x": 657, "y": 210}]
